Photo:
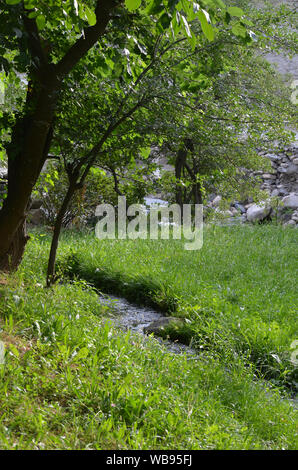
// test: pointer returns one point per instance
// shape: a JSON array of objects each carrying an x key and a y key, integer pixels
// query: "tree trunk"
[
  {"x": 179, "y": 165},
  {"x": 26, "y": 156},
  {"x": 51, "y": 277},
  {"x": 197, "y": 191},
  {"x": 14, "y": 254}
]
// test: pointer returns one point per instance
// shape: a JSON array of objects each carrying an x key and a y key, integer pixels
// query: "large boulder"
[
  {"x": 257, "y": 213},
  {"x": 290, "y": 201}
]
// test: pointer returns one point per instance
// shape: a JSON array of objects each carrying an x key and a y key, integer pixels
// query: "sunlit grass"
[
  {"x": 239, "y": 291},
  {"x": 72, "y": 381}
]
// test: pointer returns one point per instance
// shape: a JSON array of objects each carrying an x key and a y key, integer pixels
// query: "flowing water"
[{"x": 128, "y": 316}]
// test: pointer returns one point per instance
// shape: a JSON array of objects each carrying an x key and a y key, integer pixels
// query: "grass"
[
  {"x": 239, "y": 292},
  {"x": 72, "y": 381}
]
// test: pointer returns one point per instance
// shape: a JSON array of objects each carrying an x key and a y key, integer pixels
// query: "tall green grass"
[
  {"x": 239, "y": 291},
  {"x": 72, "y": 381}
]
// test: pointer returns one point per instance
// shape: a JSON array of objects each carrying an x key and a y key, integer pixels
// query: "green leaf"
[
  {"x": 90, "y": 15},
  {"x": 154, "y": 7},
  {"x": 13, "y": 2},
  {"x": 33, "y": 14},
  {"x": 172, "y": 4},
  {"x": 132, "y": 5},
  {"x": 193, "y": 41},
  {"x": 40, "y": 21},
  {"x": 235, "y": 11},
  {"x": 206, "y": 27},
  {"x": 145, "y": 152},
  {"x": 247, "y": 22},
  {"x": 82, "y": 353},
  {"x": 220, "y": 3},
  {"x": 165, "y": 20},
  {"x": 14, "y": 350},
  {"x": 239, "y": 30},
  {"x": 109, "y": 63}
]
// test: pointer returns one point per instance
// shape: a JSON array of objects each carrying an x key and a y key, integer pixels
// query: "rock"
[
  {"x": 36, "y": 217},
  {"x": 3, "y": 173},
  {"x": 290, "y": 169},
  {"x": 36, "y": 204},
  {"x": 290, "y": 201},
  {"x": 257, "y": 213},
  {"x": 291, "y": 223},
  {"x": 226, "y": 213},
  {"x": 281, "y": 181},
  {"x": 239, "y": 207},
  {"x": 284, "y": 214},
  {"x": 282, "y": 190},
  {"x": 216, "y": 201},
  {"x": 157, "y": 326},
  {"x": 268, "y": 176},
  {"x": 273, "y": 157},
  {"x": 211, "y": 197},
  {"x": 234, "y": 211}
]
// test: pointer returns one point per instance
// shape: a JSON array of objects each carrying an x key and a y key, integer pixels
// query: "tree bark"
[
  {"x": 26, "y": 156},
  {"x": 51, "y": 277},
  {"x": 14, "y": 254},
  {"x": 179, "y": 165}
]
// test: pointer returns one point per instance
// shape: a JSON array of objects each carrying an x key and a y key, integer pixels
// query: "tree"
[
  {"x": 198, "y": 83},
  {"x": 245, "y": 108},
  {"x": 87, "y": 138},
  {"x": 21, "y": 23},
  {"x": 242, "y": 106},
  {"x": 47, "y": 41}
]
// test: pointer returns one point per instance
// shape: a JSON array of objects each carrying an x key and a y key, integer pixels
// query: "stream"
[{"x": 135, "y": 318}]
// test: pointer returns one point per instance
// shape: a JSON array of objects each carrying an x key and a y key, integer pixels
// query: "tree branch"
[
  {"x": 34, "y": 41},
  {"x": 89, "y": 38}
]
